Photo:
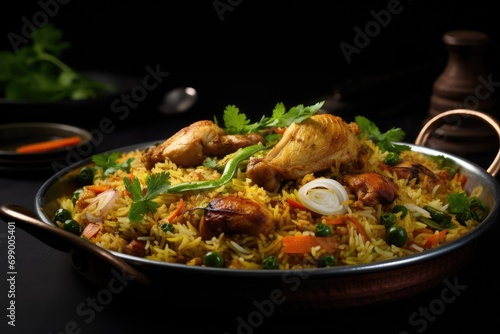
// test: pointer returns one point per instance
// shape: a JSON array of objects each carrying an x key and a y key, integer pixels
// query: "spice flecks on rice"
[{"x": 362, "y": 239}]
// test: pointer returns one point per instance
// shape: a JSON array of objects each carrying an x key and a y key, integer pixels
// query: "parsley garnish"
[
  {"x": 156, "y": 184},
  {"x": 446, "y": 163},
  {"x": 36, "y": 72},
  {"x": 385, "y": 141},
  {"x": 107, "y": 163},
  {"x": 209, "y": 163},
  {"x": 465, "y": 208},
  {"x": 238, "y": 123}
]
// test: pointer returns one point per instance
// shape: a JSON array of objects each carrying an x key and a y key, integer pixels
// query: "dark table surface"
[{"x": 50, "y": 295}]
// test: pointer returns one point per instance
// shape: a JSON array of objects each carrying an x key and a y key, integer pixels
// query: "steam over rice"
[{"x": 185, "y": 245}]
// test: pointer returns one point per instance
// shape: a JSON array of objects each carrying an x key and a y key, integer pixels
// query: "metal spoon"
[{"x": 178, "y": 100}]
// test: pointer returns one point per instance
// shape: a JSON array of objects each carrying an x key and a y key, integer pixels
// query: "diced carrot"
[
  {"x": 296, "y": 205},
  {"x": 442, "y": 233},
  {"x": 433, "y": 240},
  {"x": 430, "y": 241},
  {"x": 335, "y": 220},
  {"x": 463, "y": 179},
  {"x": 422, "y": 230},
  {"x": 359, "y": 227},
  {"x": 343, "y": 219},
  {"x": 90, "y": 231},
  {"x": 178, "y": 210},
  {"x": 96, "y": 189},
  {"x": 49, "y": 145},
  {"x": 299, "y": 244}
]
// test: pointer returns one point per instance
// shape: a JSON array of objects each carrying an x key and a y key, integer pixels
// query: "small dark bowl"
[
  {"x": 87, "y": 112},
  {"x": 14, "y": 135}
]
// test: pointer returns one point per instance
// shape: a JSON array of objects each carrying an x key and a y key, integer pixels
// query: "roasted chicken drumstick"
[{"x": 316, "y": 144}]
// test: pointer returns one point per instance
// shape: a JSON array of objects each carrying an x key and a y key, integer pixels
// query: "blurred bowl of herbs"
[{"x": 37, "y": 85}]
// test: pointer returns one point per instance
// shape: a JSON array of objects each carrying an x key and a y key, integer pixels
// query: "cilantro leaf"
[
  {"x": 156, "y": 184},
  {"x": 236, "y": 122},
  {"x": 209, "y": 163},
  {"x": 50, "y": 40},
  {"x": 385, "y": 141},
  {"x": 446, "y": 163},
  {"x": 108, "y": 163},
  {"x": 283, "y": 118},
  {"x": 36, "y": 71}
]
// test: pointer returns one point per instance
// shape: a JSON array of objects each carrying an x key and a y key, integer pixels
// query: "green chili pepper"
[
  {"x": 435, "y": 225},
  {"x": 226, "y": 176}
]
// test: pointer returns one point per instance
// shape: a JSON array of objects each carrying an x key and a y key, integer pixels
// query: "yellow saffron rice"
[{"x": 185, "y": 245}]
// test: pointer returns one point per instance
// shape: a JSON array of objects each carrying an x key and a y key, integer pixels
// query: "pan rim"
[{"x": 332, "y": 272}]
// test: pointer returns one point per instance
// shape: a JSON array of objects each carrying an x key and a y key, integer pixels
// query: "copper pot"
[{"x": 337, "y": 287}]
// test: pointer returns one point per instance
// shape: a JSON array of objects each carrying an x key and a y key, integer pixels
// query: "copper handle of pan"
[
  {"x": 86, "y": 255},
  {"x": 436, "y": 121}
]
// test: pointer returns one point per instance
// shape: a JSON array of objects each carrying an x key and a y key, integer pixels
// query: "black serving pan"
[{"x": 337, "y": 287}]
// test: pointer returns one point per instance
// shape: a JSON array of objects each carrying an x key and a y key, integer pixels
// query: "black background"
[
  {"x": 259, "y": 54},
  {"x": 256, "y": 53}
]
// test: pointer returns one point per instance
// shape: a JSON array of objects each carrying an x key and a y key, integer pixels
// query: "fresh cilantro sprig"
[
  {"x": 142, "y": 203},
  {"x": 385, "y": 141},
  {"x": 465, "y": 208},
  {"x": 446, "y": 163},
  {"x": 108, "y": 163},
  {"x": 209, "y": 163},
  {"x": 236, "y": 122},
  {"x": 36, "y": 72}
]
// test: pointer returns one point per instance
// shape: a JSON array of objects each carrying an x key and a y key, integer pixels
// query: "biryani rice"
[{"x": 185, "y": 245}]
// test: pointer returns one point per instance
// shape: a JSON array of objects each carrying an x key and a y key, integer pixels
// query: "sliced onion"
[
  {"x": 324, "y": 196},
  {"x": 100, "y": 205}
]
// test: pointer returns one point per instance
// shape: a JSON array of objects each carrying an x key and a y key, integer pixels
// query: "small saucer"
[{"x": 14, "y": 135}]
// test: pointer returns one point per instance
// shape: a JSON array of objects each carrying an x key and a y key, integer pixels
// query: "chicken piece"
[
  {"x": 136, "y": 248},
  {"x": 372, "y": 188},
  {"x": 231, "y": 215},
  {"x": 191, "y": 145},
  {"x": 409, "y": 170},
  {"x": 84, "y": 199},
  {"x": 316, "y": 144}
]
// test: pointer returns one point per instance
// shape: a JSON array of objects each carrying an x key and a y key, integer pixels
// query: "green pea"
[
  {"x": 61, "y": 215},
  {"x": 397, "y": 235},
  {"x": 76, "y": 195},
  {"x": 167, "y": 227},
  {"x": 213, "y": 259},
  {"x": 72, "y": 226},
  {"x": 388, "y": 219},
  {"x": 327, "y": 261},
  {"x": 270, "y": 262},
  {"x": 85, "y": 176},
  {"x": 323, "y": 230},
  {"x": 392, "y": 158},
  {"x": 400, "y": 208}
]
